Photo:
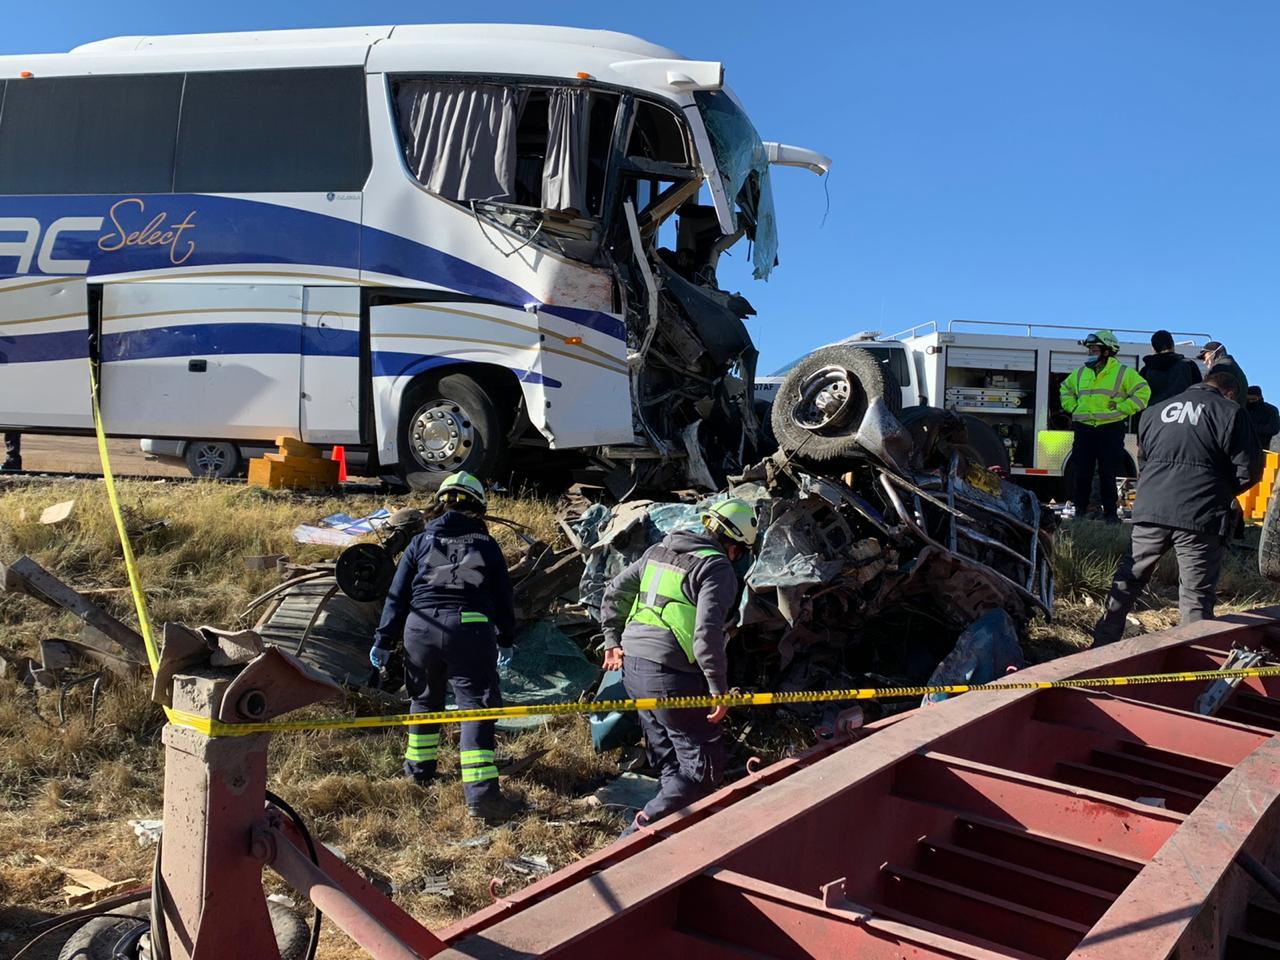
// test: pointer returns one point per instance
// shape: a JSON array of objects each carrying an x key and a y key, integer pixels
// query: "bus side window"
[{"x": 657, "y": 135}]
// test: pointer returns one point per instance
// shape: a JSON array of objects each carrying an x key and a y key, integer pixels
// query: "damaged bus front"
[{"x": 619, "y": 190}]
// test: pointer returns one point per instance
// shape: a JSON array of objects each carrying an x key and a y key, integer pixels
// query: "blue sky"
[{"x": 1096, "y": 163}]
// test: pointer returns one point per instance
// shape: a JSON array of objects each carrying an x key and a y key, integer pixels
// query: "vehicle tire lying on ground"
[
  {"x": 936, "y": 433},
  {"x": 97, "y": 939},
  {"x": 985, "y": 446},
  {"x": 1269, "y": 544},
  {"x": 820, "y": 405}
]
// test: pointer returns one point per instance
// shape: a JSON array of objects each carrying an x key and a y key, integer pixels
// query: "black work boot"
[
  {"x": 495, "y": 808},
  {"x": 13, "y": 463}
]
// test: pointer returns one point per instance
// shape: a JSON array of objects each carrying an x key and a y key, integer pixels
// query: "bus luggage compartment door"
[
  {"x": 201, "y": 360},
  {"x": 44, "y": 354}
]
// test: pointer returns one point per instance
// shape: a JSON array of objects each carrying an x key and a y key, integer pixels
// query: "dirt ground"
[{"x": 80, "y": 455}]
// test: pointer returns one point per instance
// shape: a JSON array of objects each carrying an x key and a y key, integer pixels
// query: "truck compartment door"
[
  {"x": 330, "y": 406},
  {"x": 201, "y": 360},
  {"x": 44, "y": 354}
]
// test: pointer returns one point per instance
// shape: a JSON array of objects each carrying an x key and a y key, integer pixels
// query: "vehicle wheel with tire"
[
  {"x": 985, "y": 446},
  {"x": 1269, "y": 544},
  {"x": 821, "y": 403},
  {"x": 448, "y": 424},
  {"x": 215, "y": 459},
  {"x": 97, "y": 939}
]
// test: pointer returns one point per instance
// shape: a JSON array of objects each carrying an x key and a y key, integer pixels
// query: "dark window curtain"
[
  {"x": 564, "y": 172},
  {"x": 460, "y": 139}
]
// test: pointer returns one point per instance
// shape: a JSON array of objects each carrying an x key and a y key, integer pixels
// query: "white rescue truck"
[{"x": 1003, "y": 378}]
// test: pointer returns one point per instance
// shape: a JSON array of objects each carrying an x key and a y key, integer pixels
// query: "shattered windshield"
[{"x": 744, "y": 170}]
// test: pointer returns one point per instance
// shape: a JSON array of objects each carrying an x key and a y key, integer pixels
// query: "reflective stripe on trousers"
[{"x": 477, "y": 766}]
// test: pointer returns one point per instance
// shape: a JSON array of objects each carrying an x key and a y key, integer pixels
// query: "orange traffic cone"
[{"x": 340, "y": 454}]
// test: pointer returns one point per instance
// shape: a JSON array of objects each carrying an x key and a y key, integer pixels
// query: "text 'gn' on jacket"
[
  {"x": 453, "y": 564},
  {"x": 711, "y": 585},
  {"x": 1197, "y": 452},
  {"x": 1168, "y": 374},
  {"x": 1108, "y": 393}
]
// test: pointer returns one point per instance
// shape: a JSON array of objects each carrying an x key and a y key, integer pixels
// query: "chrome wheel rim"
[
  {"x": 825, "y": 398},
  {"x": 211, "y": 459},
  {"x": 441, "y": 436}
]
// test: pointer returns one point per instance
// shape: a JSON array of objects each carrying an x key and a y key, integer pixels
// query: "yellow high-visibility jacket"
[{"x": 1108, "y": 394}]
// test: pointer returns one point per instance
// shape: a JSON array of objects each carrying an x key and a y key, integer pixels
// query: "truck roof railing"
[
  {"x": 1070, "y": 326},
  {"x": 931, "y": 326}
]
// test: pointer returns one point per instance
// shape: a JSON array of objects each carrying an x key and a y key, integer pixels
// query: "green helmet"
[
  {"x": 1102, "y": 338},
  {"x": 733, "y": 518},
  {"x": 461, "y": 486}
]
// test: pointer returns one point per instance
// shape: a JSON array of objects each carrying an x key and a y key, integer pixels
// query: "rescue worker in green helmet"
[
  {"x": 451, "y": 602},
  {"x": 1100, "y": 397},
  {"x": 664, "y": 622}
]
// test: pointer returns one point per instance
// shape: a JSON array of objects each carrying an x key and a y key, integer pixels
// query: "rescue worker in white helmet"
[
  {"x": 451, "y": 602},
  {"x": 1100, "y": 397},
  {"x": 664, "y": 620}
]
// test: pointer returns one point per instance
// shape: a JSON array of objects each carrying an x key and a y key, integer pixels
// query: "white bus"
[{"x": 434, "y": 243}]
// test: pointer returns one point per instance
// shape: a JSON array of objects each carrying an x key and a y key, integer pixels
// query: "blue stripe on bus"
[
  {"x": 230, "y": 231},
  {"x": 388, "y": 363},
  {"x": 226, "y": 339},
  {"x": 41, "y": 347}
]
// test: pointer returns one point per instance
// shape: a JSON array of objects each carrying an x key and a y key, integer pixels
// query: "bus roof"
[{"x": 522, "y": 49}]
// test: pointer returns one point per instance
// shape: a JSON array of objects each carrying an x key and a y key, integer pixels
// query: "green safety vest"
[
  {"x": 1087, "y": 394},
  {"x": 661, "y": 601}
]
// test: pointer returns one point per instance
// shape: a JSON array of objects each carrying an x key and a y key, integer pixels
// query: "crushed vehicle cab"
[{"x": 876, "y": 532}]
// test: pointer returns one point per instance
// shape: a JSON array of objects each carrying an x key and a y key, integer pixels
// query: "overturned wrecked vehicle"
[{"x": 883, "y": 539}]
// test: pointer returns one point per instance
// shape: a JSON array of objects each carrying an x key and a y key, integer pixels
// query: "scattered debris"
[
  {"x": 147, "y": 831},
  {"x": 630, "y": 791},
  {"x": 102, "y": 632},
  {"x": 340, "y": 529},
  {"x": 270, "y": 561},
  {"x": 529, "y": 865},
  {"x": 87, "y": 887},
  {"x": 58, "y": 512},
  {"x": 436, "y": 885},
  {"x": 481, "y": 841},
  {"x": 986, "y": 651}
]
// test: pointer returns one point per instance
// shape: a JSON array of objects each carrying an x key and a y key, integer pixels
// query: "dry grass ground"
[{"x": 66, "y": 791}]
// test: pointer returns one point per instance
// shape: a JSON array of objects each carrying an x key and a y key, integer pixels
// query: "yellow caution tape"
[
  {"x": 214, "y": 728},
  {"x": 135, "y": 581}
]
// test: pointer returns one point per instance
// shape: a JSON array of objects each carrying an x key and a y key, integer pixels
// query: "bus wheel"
[{"x": 448, "y": 424}]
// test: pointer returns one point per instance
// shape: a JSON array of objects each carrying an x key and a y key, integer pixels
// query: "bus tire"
[
  {"x": 448, "y": 423},
  {"x": 854, "y": 377},
  {"x": 215, "y": 459}
]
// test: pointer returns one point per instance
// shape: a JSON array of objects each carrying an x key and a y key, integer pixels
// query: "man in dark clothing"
[
  {"x": 1213, "y": 356},
  {"x": 664, "y": 619},
  {"x": 1264, "y": 417},
  {"x": 1167, "y": 372},
  {"x": 1197, "y": 453},
  {"x": 12, "y": 452},
  {"x": 451, "y": 601}
]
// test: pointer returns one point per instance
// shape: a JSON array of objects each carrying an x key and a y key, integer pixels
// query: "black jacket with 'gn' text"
[{"x": 1196, "y": 452}]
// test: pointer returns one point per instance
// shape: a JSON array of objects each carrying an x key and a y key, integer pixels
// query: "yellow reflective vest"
[{"x": 1109, "y": 394}]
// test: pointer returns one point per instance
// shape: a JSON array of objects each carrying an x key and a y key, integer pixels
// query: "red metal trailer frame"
[{"x": 1047, "y": 824}]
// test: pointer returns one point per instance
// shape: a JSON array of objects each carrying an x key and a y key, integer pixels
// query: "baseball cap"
[
  {"x": 1255, "y": 391},
  {"x": 1211, "y": 347}
]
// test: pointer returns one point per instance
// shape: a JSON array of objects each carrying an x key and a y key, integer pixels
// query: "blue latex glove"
[
  {"x": 379, "y": 657},
  {"x": 504, "y": 656}
]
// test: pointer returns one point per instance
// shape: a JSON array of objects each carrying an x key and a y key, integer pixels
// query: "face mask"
[{"x": 1093, "y": 362}]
